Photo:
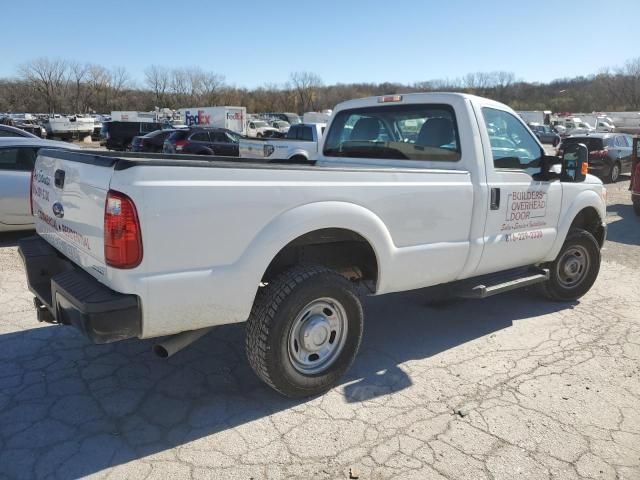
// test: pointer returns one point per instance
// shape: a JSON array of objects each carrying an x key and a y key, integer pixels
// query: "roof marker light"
[{"x": 390, "y": 98}]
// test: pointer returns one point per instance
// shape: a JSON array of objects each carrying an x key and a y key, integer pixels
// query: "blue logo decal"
[{"x": 58, "y": 210}]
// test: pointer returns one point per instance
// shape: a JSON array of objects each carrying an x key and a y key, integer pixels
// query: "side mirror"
[{"x": 575, "y": 163}]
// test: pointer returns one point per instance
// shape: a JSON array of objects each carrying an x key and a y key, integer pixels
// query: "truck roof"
[{"x": 424, "y": 97}]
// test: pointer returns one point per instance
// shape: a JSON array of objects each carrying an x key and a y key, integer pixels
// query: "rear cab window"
[
  {"x": 402, "y": 132},
  {"x": 21, "y": 159},
  {"x": 307, "y": 134}
]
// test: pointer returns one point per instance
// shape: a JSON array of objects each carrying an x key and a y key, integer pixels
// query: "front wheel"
[
  {"x": 575, "y": 269},
  {"x": 304, "y": 330}
]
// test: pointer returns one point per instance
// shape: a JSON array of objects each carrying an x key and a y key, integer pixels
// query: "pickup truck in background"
[
  {"x": 409, "y": 191},
  {"x": 300, "y": 144}
]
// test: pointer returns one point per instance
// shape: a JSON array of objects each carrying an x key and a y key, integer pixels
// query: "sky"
[{"x": 253, "y": 43}]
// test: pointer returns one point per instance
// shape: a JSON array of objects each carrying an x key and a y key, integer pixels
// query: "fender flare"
[
  {"x": 296, "y": 152},
  {"x": 585, "y": 199},
  {"x": 307, "y": 218}
]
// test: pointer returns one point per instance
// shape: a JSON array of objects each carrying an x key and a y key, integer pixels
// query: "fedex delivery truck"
[{"x": 232, "y": 118}]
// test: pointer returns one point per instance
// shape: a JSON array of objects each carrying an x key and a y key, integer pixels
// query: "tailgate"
[{"x": 68, "y": 194}]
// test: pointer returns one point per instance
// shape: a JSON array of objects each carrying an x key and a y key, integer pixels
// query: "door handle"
[
  {"x": 58, "y": 178},
  {"x": 495, "y": 198}
]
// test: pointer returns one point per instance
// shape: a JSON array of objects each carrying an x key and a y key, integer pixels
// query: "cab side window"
[{"x": 512, "y": 145}]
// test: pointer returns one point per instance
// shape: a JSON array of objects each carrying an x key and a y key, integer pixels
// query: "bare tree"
[
  {"x": 158, "y": 79},
  {"x": 78, "y": 75},
  {"x": 97, "y": 88},
  {"x": 212, "y": 84},
  {"x": 118, "y": 81},
  {"x": 306, "y": 85},
  {"x": 48, "y": 78}
]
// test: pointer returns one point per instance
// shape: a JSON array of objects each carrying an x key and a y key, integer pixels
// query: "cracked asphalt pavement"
[{"x": 510, "y": 387}]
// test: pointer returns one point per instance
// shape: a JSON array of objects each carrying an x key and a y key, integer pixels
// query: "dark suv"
[
  {"x": 151, "y": 142},
  {"x": 609, "y": 153},
  {"x": 203, "y": 141}
]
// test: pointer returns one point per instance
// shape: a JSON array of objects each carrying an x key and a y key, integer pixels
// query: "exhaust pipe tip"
[
  {"x": 160, "y": 351},
  {"x": 173, "y": 344}
]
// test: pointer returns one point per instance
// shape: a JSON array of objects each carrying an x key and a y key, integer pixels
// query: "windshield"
[
  {"x": 259, "y": 124},
  {"x": 410, "y": 132}
]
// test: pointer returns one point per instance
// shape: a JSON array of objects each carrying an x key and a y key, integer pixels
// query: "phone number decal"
[{"x": 519, "y": 236}]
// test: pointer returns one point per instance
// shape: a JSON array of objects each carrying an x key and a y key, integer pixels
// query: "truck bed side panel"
[{"x": 209, "y": 233}]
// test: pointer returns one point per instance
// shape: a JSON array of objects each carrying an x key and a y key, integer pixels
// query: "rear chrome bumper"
[{"x": 68, "y": 295}]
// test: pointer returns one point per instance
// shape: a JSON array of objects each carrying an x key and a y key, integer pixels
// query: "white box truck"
[{"x": 232, "y": 118}]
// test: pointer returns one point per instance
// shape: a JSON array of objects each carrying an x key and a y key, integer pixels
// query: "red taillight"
[
  {"x": 180, "y": 144},
  {"x": 599, "y": 153},
  {"x": 31, "y": 192},
  {"x": 122, "y": 235}
]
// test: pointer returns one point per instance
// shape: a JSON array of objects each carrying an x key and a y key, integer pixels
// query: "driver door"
[{"x": 522, "y": 220}]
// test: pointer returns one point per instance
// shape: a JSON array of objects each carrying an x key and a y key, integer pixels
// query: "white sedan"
[{"x": 17, "y": 158}]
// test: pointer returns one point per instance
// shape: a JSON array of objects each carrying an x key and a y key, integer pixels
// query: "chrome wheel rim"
[
  {"x": 317, "y": 336},
  {"x": 573, "y": 266},
  {"x": 615, "y": 172}
]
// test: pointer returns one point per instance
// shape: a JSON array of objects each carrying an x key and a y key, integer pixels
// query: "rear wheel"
[
  {"x": 614, "y": 173},
  {"x": 636, "y": 206},
  {"x": 575, "y": 269},
  {"x": 304, "y": 330}
]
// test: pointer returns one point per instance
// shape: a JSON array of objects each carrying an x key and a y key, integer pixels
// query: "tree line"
[{"x": 61, "y": 86}]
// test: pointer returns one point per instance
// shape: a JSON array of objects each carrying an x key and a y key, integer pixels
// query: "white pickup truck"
[
  {"x": 410, "y": 191},
  {"x": 300, "y": 144}
]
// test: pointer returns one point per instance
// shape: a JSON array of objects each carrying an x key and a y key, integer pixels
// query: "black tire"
[
  {"x": 579, "y": 246},
  {"x": 636, "y": 206},
  {"x": 614, "y": 173},
  {"x": 277, "y": 310},
  {"x": 299, "y": 159}
]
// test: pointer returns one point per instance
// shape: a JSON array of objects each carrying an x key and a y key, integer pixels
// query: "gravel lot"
[{"x": 510, "y": 387}]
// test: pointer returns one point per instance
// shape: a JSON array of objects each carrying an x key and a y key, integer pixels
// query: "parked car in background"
[
  {"x": 545, "y": 133},
  {"x": 610, "y": 154},
  {"x": 290, "y": 118},
  {"x": 17, "y": 158},
  {"x": 9, "y": 131},
  {"x": 258, "y": 128},
  {"x": 27, "y": 125},
  {"x": 33, "y": 127},
  {"x": 203, "y": 141},
  {"x": 299, "y": 144},
  {"x": 151, "y": 142},
  {"x": 119, "y": 135},
  {"x": 280, "y": 125}
]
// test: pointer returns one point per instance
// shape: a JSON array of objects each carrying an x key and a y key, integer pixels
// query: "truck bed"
[
  {"x": 210, "y": 231},
  {"x": 124, "y": 160}
]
